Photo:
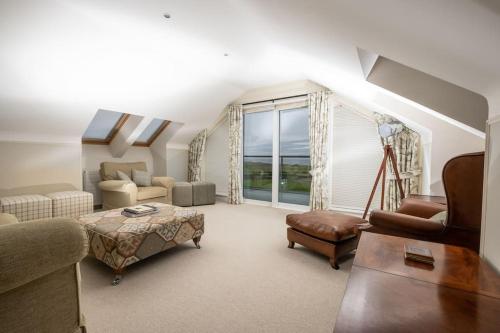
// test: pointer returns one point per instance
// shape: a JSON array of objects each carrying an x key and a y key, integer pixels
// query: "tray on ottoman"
[{"x": 120, "y": 241}]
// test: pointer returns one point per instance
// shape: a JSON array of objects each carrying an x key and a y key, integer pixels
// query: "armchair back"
[{"x": 463, "y": 185}]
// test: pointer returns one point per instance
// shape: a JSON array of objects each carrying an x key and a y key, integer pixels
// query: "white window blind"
[{"x": 356, "y": 157}]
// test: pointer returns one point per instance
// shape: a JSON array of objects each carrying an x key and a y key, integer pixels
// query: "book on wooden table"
[{"x": 420, "y": 254}]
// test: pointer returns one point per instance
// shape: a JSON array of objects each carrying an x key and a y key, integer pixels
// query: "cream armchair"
[
  {"x": 122, "y": 193},
  {"x": 40, "y": 275}
]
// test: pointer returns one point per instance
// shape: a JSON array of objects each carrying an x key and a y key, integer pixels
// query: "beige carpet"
[{"x": 243, "y": 279}]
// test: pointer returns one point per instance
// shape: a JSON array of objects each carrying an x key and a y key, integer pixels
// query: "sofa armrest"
[
  {"x": 117, "y": 186},
  {"x": 118, "y": 193},
  {"x": 31, "y": 250},
  {"x": 7, "y": 219},
  {"x": 397, "y": 222},
  {"x": 420, "y": 208},
  {"x": 168, "y": 183}
]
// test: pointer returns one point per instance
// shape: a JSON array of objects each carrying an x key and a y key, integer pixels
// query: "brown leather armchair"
[{"x": 463, "y": 185}]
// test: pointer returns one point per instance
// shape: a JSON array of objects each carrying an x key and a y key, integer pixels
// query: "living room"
[{"x": 249, "y": 166}]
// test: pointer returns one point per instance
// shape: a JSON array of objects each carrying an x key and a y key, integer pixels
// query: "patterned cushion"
[
  {"x": 71, "y": 203},
  {"x": 122, "y": 176},
  {"x": 27, "y": 207},
  {"x": 141, "y": 178}
]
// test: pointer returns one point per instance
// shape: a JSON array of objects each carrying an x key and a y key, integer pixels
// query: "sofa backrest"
[
  {"x": 108, "y": 169},
  {"x": 37, "y": 189}
]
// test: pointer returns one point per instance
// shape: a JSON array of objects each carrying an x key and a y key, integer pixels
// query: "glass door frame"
[{"x": 275, "y": 109}]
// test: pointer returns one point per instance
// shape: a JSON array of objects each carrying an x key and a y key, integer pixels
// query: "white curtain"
[
  {"x": 196, "y": 152},
  {"x": 235, "y": 116},
  {"x": 319, "y": 106}
]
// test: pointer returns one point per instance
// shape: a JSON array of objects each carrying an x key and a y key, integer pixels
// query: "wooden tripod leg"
[
  {"x": 382, "y": 194},
  {"x": 392, "y": 157},
  {"x": 374, "y": 189}
]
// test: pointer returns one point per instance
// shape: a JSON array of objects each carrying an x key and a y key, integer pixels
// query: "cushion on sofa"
[
  {"x": 150, "y": 192},
  {"x": 122, "y": 176},
  {"x": 325, "y": 225},
  {"x": 108, "y": 169},
  {"x": 141, "y": 178}
]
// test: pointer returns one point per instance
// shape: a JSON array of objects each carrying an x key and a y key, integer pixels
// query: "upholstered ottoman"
[
  {"x": 182, "y": 194},
  {"x": 27, "y": 207},
  {"x": 120, "y": 241},
  {"x": 203, "y": 193},
  {"x": 331, "y": 234},
  {"x": 71, "y": 203}
]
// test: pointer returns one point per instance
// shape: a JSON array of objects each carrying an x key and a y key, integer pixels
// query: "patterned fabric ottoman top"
[
  {"x": 27, "y": 207},
  {"x": 71, "y": 203},
  {"x": 120, "y": 241}
]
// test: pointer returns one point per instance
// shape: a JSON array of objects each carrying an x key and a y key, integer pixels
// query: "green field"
[{"x": 293, "y": 178}]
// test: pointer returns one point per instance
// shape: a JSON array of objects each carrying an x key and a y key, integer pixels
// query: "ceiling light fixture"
[
  {"x": 166, "y": 15},
  {"x": 226, "y": 54}
]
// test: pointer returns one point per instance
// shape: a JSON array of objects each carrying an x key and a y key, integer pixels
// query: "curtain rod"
[{"x": 274, "y": 99}]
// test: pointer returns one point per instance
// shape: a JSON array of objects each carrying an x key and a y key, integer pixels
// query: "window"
[
  {"x": 151, "y": 132},
  {"x": 258, "y": 156},
  {"x": 104, "y": 126},
  {"x": 276, "y": 159},
  {"x": 295, "y": 162}
]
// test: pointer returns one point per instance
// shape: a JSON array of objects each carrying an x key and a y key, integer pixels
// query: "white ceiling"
[{"x": 61, "y": 61}]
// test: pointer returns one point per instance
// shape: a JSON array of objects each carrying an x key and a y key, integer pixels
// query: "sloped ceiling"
[{"x": 60, "y": 61}]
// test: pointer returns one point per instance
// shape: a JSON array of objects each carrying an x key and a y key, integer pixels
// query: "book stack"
[
  {"x": 419, "y": 254},
  {"x": 140, "y": 210}
]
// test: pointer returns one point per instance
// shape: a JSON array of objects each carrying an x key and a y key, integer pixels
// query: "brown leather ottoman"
[{"x": 331, "y": 234}]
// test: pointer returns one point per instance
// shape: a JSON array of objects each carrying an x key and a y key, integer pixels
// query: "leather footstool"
[{"x": 331, "y": 234}]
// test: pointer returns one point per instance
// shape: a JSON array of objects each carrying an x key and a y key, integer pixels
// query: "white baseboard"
[{"x": 347, "y": 210}]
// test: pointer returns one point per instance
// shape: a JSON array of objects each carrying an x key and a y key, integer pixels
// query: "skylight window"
[
  {"x": 104, "y": 126},
  {"x": 151, "y": 132}
]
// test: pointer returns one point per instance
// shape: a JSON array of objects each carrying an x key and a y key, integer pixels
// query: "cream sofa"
[
  {"x": 121, "y": 193},
  {"x": 40, "y": 276}
]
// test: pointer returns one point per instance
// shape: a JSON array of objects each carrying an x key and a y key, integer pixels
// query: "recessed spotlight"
[
  {"x": 166, "y": 15},
  {"x": 226, "y": 54}
]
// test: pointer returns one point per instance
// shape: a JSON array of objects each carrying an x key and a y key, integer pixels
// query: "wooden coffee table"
[
  {"x": 119, "y": 241},
  {"x": 385, "y": 293}
]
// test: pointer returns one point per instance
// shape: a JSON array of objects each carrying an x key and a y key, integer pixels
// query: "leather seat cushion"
[
  {"x": 150, "y": 192},
  {"x": 325, "y": 225}
]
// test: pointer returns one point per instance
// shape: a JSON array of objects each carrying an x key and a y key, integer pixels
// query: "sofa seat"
[
  {"x": 150, "y": 192},
  {"x": 27, "y": 207}
]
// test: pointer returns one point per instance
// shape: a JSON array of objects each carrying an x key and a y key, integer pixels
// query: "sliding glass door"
[
  {"x": 294, "y": 159},
  {"x": 258, "y": 156},
  {"x": 277, "y": 140}
]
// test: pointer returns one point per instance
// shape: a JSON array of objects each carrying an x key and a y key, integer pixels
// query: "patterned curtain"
[
  {"x": 196, "y": 151},
  {"x": 235, "y": 116},
  {"x": 318, "y": 140},
  {"x": 406, "y": 146}
]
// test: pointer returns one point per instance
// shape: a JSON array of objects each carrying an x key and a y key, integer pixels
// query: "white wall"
[
  {"x": 93, "y": 155},
  {"x": 177, "y": 163},
  {"x": 29, "y": 163},
  {"x": 216, "y": 160},
  {"x": 490, "y": 230}
]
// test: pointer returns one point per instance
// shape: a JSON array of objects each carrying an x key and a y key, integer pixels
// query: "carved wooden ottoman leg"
[
  {"x": 291, "y": 244},
  {"x": 196, "y": 241}
]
